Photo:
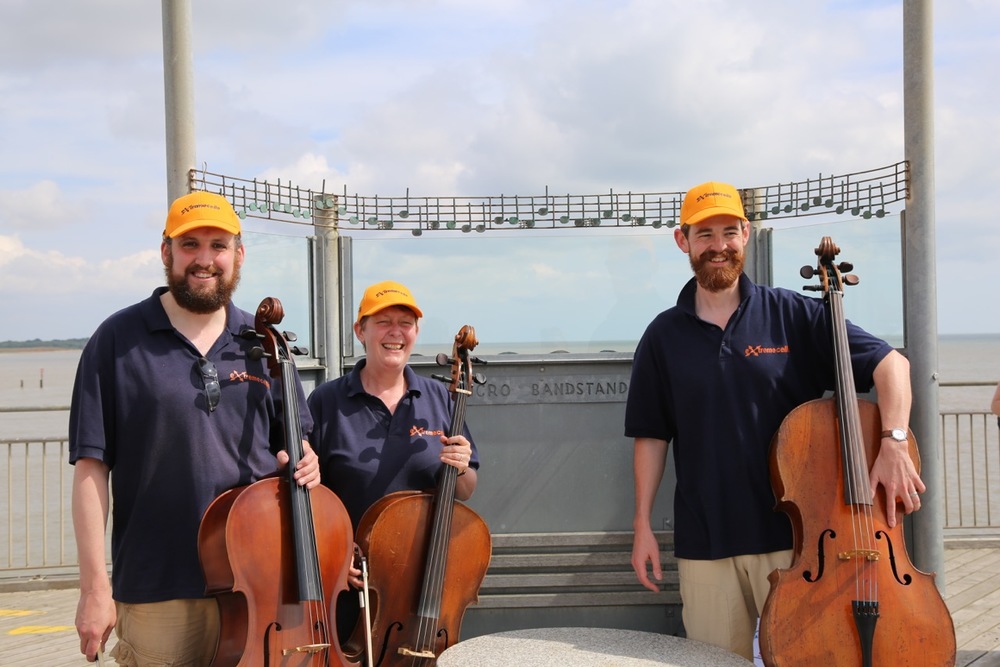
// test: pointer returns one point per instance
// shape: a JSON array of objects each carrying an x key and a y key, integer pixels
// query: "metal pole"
[
  {"x": 178, "y": 89},
  {"x": 327, "y": 302},
  {"x": 760, "y": 251},
  {"x": 920, "y": 279}
]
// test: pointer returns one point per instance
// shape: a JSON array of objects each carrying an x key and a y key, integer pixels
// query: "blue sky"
[{"x": 475, "y": 97}]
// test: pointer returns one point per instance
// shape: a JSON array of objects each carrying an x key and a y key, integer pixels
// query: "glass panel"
[
  {"x": 873, "y": 246},
  {"x": 547, "y": 292},
  {"x": 533, "y": 292},
  {"x": 279, "y": 266}
]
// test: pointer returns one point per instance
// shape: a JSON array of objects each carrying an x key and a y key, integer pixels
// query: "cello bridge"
[
  {"x": 307, "y": 648},
  {"x": 410, "y": 653},
  {"x": 867, "y": 554}
]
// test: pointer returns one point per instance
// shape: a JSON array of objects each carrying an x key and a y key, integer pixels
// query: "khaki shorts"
[
  {"x": 724, "y": 598},
  {"x": 178, "y": 633}
]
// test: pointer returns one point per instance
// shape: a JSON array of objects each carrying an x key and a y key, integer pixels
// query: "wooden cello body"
[
  {"x": 851, "y": 597},
  {"x": 427, "y": 555},
  {"x": 398, "y": 543},
  {"x": 254, "y": 576},
  {"x": 276, "y": 554}
]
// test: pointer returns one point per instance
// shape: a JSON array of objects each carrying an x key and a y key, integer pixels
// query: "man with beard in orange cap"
[
  {"x": 169, "y": 396},
  {"x": 715, "y": 375}
]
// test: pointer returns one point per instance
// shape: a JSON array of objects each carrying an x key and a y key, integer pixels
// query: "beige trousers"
[
  {"x": 175, "y": 633},
  {"x": 724, "y": 598}
]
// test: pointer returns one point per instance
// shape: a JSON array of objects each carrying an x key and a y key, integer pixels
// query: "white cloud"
[
  {"x": 41, "y": 205},
  {"x": 473, "y": 98},
  {"x": 27, "y": 271}
]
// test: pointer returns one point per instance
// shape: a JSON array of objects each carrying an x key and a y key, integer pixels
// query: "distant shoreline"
[
  {"x": 38, "y": 345},
  {"x": 71, "y": 344}
]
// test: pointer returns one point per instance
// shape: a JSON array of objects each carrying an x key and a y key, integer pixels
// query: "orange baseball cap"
[
  {"x": 708, "y": 199},
  {"x": 384, "y": 294},
  {"x": 201, "y": 209}
]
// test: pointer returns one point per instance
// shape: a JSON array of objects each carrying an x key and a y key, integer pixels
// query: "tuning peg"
[
  {"x": 248, "y": 333},
  {"x": 845, "y": 267},
  {"x": 443, "y": 360},
  {"x": 290, "y": 336},
  {"x": 295, "y": 349},
  {"x": 478, "y": 378},
  {"x": 441, "y": 378},
  {"x": 257, "y": 353},
  {"x": 851, "y": 279},
  {"x": 807, "y": 272}
]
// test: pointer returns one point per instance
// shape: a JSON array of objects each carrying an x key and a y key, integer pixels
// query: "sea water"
[{"x": 44, "y": 378}]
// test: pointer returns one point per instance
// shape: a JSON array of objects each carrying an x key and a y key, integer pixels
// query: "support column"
[
  {"x": 327, "y": 286},
  {"x": 920, "y": 279},
  {"x": 178, "y": 89}
]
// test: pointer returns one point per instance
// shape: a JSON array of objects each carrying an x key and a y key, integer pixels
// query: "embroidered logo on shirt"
[
  {"x": 243, "y": 376},
  {"x": 757, "y": 350},
  {"x": 416, "y": 431}
]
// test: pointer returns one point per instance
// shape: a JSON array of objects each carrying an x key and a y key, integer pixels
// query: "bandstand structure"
[{"x": 542, "y": 452}]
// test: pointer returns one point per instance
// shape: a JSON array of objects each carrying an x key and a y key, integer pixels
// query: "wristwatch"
[{"x": 897, "y": 434}]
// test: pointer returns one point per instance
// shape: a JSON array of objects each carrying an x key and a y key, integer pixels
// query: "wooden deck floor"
[
  {"x": 36, "y": 627},
  {"x": 973, "y": 595}
]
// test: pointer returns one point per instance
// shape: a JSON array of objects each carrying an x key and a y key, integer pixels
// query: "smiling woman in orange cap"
[{"x": 381, "y": 428}]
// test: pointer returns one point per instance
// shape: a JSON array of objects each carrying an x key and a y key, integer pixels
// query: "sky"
[{"x": 471, "y": 98}]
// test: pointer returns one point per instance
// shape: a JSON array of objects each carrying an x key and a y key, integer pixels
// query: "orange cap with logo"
[
  {"x": 384, "y": 294},
  {"x": 200, "y": 209},
  {"x": 708, "y": 199}
]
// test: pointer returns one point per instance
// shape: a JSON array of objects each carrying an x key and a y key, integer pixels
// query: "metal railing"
[
  {"x": 37, "y": 538},
  {"x": 865, "y": 194},
  {"x": 35, "y": 506},
  {"x": 971, "y": 467}
]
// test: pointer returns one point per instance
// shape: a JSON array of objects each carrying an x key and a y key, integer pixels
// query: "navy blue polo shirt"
[
  {"x": 719, "y": 395},
  {"x": 366, "y": 452},
  {"x": 139, "y": 405}
]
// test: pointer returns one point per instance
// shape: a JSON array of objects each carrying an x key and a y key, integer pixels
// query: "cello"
[
  {"x": 274, "y": 553},
  {"x": 426, "y": 553},
  {"x": 851, "y": 597}
]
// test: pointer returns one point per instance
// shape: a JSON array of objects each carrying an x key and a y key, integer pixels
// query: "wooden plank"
[
  {"x": 972, "y": 583},
  {"x": 570, "y": 579},
  {"x": 503, "y": 541},
  {"x": 534, "y": 600},
  {"x": 561, "y": 561}
]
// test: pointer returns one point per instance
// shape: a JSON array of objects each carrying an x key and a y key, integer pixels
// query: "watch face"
[{"x": 898, "y": 434}]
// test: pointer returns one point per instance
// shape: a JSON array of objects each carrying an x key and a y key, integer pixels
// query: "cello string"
[
  {"x": 843, "y": 389},
  {"x": 450, "y": 482},
  {"x": 435, "y": 569},
  {"x": 855, "y": 467},
  {"x": 316, "y": 612},
  {"x": 433, "y": 584},
  {"x": 860, "y": 463}
]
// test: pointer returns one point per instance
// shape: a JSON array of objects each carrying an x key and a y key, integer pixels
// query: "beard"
[
  {"x": 716, "y": 278},
  {"x": 205, "y": 300}
]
